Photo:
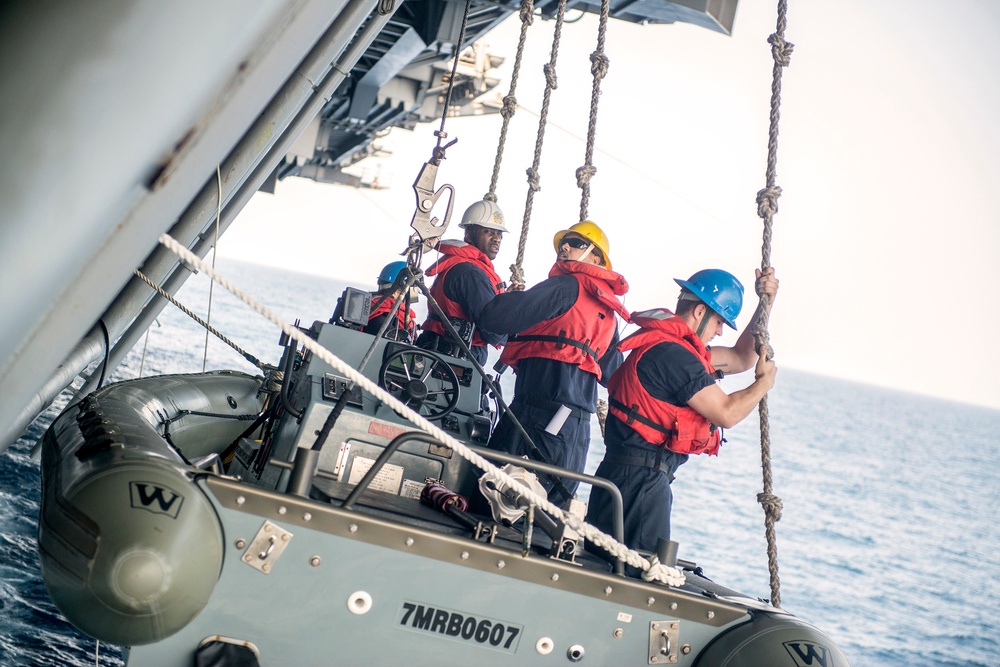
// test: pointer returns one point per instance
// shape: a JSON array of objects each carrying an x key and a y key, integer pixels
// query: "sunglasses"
[{"x": 574, "y": 242}]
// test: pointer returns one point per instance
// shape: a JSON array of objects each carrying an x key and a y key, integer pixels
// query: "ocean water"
[{"x": 888, "y": 540}]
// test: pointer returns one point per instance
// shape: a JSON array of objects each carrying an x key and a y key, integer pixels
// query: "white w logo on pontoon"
[
  {"x": 155, "y": 498},
  {"x": 809, "y": 654}
]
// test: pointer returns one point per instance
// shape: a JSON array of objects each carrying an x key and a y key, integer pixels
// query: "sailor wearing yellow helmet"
[{"x": 562, "y": 337}]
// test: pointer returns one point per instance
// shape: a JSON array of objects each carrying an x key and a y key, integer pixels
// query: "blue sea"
[{"x": 888, "y": 540}]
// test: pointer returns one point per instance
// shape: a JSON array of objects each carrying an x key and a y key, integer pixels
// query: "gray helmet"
[{"x": 484, "y": 214}]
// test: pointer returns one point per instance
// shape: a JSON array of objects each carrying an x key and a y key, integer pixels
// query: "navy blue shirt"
[
  {"x": 670, "y": 373},
  {"x": 548, "y": 379},
  {"x": 467, "y": 285}
]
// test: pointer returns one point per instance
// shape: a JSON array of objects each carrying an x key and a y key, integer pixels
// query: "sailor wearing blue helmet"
[
  {"x": 390, "y": 289},
  {"x": 665, "y": 405}
]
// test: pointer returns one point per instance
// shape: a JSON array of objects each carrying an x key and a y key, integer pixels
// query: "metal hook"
[{"x": 426, "y": 227}]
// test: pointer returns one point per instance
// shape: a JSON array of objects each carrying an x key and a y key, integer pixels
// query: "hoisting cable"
[
  {"x": 159, "y": 290},
  {"x": 215, "y": 250},
  {"x": 653, "y": 570},
  {"x": 427, "y": 229},
  {"x": 599, "y": 68},
  {"x": 767, "y": 206},
  {"x": 517, "y": 272},
  {"x": 509, "y": 101},
  {"x": 440, "y": 133},
  {"x": 145, "y": 344}
]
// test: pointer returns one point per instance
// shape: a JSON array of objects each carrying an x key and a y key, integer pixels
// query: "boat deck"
[{"x": 412, "y": 512}]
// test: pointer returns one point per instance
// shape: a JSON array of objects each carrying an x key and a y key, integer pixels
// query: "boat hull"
[
  {"x": 130, "y": 546},
  {"x": 351, "y": 589},
  {"x": 355, "y": 589},
  {"x": 144, "y": 547}
]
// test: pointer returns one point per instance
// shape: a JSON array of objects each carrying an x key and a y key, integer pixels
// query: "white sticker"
[
  {"x": 412, "y": 489},
  {"x": 624, "y": 618},
  {"x": 387, "y": 480}
]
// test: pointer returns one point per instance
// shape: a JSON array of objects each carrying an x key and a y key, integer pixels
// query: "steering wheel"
[{"x": 422, "y": 380}]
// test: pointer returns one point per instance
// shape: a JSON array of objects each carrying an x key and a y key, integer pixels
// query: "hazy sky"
[{"x": 886, "y": 242}]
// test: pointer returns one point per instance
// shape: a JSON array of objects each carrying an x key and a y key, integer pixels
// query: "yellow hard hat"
[{"x": 588, "y": 230}]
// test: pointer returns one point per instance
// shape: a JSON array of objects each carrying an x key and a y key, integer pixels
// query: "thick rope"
[
  {"x": 599, "y": 68},
  {"x": 516, "y": 271},
  {"x": 767, "y": 206},
  {"x": 510, "y": 102},
  {"x": 602, "y": 414},
  {"x": 653, "y": 571},
  {"x": 208, "y": 328}
]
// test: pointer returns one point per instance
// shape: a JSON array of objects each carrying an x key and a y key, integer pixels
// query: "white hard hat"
[{"x": 485, "y": 214}]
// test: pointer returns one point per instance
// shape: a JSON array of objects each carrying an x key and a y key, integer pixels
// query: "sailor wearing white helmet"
[{"x": 465, "y": 281}]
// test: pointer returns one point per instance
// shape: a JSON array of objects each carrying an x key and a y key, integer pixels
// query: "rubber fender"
[{"x": 775, "y": 640}]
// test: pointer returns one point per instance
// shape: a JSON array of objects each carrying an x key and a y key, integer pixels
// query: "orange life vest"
[
  {"x": 455, "y": 253},
  {"x": 583, "y": 333},
  {"x": 679, "y": 429},
  {"x": 384, "y": 305}
]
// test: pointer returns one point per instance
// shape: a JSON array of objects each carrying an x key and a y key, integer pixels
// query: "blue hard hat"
[
  {"x": 390, "y": 272},
  {"x": 719, "y": 290}
]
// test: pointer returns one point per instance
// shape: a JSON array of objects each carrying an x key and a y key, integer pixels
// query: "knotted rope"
[
  {"x": 509, "y": 101},
  {"x": 767, "y": 206},
  {"x": 599, "y": 68},
  {"x": 549, "y": 69}
]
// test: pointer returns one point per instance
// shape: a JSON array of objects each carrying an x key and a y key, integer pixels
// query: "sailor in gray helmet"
[{"x": 465, "y": 281}]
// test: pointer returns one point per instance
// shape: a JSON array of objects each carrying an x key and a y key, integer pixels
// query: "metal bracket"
[
  {"x": 343, "y": 458},
  {"x": 664, "y": 641},
  {"x": 485, "y": 532},
  {"x": 266, "y": 548}
]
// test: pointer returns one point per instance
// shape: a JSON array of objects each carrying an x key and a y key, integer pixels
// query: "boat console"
[{"x": 442, "y": 389}]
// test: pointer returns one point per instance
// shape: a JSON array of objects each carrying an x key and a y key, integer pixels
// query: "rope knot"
[
  {"x": 533, "y": 180},
  {"x": 584, "y": 174},
  {"x": 527, "y": 12},
  {"x": 599, "y": 64},
  {"x": 516, "y": 275},
  {"x": 490, "y": 196},
  {"x": 658, "y": 572},
  {"x": 767, "y": 201},
  {"x": 781, "y": 50},
  {"x": 550, "y": 75},
  {"x": 771, "y": 504},
  {"x": 761, "y": 338},
  {"x": 509, "y": 107}
]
